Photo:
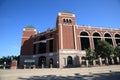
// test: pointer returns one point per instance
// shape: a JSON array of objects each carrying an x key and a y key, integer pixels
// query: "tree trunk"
[{"x": 106, "y": 61}]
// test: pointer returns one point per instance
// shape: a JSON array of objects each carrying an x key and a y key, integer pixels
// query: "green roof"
[
  {"x": 30, "y": 26},
  {"x": 65, "y": 11}
]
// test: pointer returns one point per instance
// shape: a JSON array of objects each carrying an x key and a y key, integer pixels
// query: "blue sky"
[{"x": 16, "y": 14}]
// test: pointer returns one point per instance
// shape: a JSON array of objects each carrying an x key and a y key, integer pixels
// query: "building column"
[
  {"x": 106, "y": 61},
  {"x": 75, "y": 42},
  {"x": 100, "y": 61},
  {"x": 112, "y": 60},
  {"x": 114, "y": 42},
  {"x": 87, "y": 64},
  {"x": 118, "y": 61},
  {"x": 91, "y": 43},
  {"x": 80, "y": 61},
  {"x": 61, "y": 36},
  {"x": 65, "y": 61},
  {"x": 94, "y": 63}
]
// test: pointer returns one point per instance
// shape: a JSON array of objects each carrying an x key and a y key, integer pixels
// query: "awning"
[{"x": 29, "y": 61}]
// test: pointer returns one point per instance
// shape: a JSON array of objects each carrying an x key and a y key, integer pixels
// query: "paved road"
[{"x": 91, "y": 73}]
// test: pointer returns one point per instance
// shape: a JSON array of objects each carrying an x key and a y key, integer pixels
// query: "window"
[
  {"x": 34, "y": 49},
  {"x": 64, "y": 20},
  {"x": 108, "y": 38},
  {"x": 70, "y": 21},
  {"x": 67, "y": 21},
  {"x": 84, "y": 38},
  {"x": 42, "y": 44},
  {"x": 51, "y": 46}
]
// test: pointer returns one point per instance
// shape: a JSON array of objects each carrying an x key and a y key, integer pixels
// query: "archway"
[
  {"x": 84, "y": 37},
  {"x": 83, "y": 61},
  {"x": 42, "y": 61},
  {"x": 50, "y": 62},
  {"x": 69, "y": 61}
]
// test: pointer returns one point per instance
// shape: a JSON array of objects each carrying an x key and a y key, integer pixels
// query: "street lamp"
[
  {"x": 4, "y": 65},
  {"x": 57, "y": 64}
]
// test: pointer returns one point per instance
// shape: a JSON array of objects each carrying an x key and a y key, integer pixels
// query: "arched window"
[
  {"x": 64, "y": 20},
  {"x": 108, "y": 38},
  {"x": 70, "y": 21},
  {"x": 84, "y": 38},
  {"x": 107, "y": 35},
  {"x": 67, "y": 21},
  {"x": 117, "y": 39},
  {"x": 96, "y": 34},
  {"x": 96, "y": 37}
]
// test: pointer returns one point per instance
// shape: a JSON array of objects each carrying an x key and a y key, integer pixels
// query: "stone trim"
[
  {"x": 43, "y": 40},
  {"x": 72, "y": 51},
  {"x": 61, "y": 35},
  {"x": 75, "y": 37}
]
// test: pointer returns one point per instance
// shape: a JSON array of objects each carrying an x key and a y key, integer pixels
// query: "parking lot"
[{"x": 87, "y": 73}]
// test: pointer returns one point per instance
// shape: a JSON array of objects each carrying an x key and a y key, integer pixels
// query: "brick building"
[{"x": 63, "y": 45}]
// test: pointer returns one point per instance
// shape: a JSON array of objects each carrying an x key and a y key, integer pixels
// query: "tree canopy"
[
  {"x": 104, "y": 49},
  {"x": 90, "y": 54},
  {"x": 117, "y": 51}
]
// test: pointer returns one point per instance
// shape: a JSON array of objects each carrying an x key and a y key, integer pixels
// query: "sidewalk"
[{"x": 54, "y": 74}]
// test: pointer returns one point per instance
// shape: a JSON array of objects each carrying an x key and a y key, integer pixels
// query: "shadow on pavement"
[{"x": 77, "y": 76}]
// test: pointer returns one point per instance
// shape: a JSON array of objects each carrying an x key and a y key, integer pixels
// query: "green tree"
[
  {"x": 117, "y": 51},
  {"x": 104, "y": 49},
  {"x": 90, "y": 54},
  {"x": 8, "y": 59}
]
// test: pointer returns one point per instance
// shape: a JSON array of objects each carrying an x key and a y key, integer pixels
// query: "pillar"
[
  {"x": 112, "y": 60},
  {"x": 94, "y": 63},
  {"x": 106, "y": 61},
  {"x": 42, "y": 65},
  {"x": 91, "y": 43},
  {"x": 80, "y": 61},
  {"x": 24, "y": 66},
  {"x": 100, "y": 61},
  {"x": 118, "y": 61},
  {"x": 87, "y": 63},
  {"x": 114, "y": 42}
]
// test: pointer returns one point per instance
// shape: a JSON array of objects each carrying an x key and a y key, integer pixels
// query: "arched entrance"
[
  {"x": 83, "y": 61},
  {"x": 69, "y": 61},
  {"x": 51, "y": 62},
  {"x": 42, "y": 61}
]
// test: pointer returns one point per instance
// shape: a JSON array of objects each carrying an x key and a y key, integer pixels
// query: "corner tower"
[
  {"x": 66, "y": 30},
  {"x": 26, "y": 44}
]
